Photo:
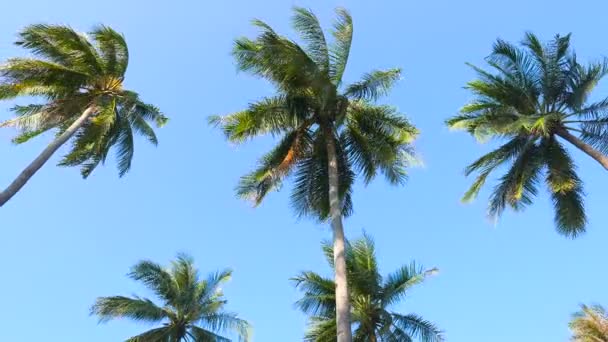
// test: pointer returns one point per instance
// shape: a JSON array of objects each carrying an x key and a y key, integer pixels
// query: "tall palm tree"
[
  {"x": 590, "y": 324},
  {"x": 80, "y": 78},
  {"x": 536, "y": 96},
  {"x": 191, "y": 309},
  {"x": 371, "y": 296},
  {"x": 328, "y": 131}
]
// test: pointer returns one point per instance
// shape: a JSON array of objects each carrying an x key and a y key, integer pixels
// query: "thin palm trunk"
[
  {"x": 588, "y": 149},
  {"x": 342, "y": 301},
  {"x": 43, "y": 157}
]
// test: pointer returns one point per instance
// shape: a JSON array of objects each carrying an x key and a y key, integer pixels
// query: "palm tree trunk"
[
  {"x": 35, "y": 165},
  {"x": 335, "y": 210},
  {"x": 588, "y": 149}
]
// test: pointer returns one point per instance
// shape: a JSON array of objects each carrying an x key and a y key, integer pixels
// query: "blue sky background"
[{"x": 65, "y": 241}]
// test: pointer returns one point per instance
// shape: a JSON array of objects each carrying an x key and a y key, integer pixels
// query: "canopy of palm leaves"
[
  {"x": 372, "y": 296},
  {"x": 72, "y": 72},
  {"x": 535, "y": 94},
  {"x": 311, "y": 106},
  {"x": 590, "y": 324},
  {"x": 189, "y": 309}
]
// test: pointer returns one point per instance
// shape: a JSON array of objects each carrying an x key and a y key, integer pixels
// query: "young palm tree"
[
  {"x": 80, "y": 78},
  {"x": 371, "y": 296},
  {"x": 536, "y": 97},
  {"x": 191, "y": 309},
  {"x": 328, "y": 131},
  {"x": 590, "y": 324}
]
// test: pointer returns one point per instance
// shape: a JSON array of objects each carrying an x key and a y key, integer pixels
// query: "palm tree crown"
[
  {"x": 312, "y": 107},
  {"x": 371, "y": 296},
  {"x": 590, "y": 324},
  {"x": 191, "y": 309},
  {"x": 76, "y": 72},
  {"x": 536, "y": 94}
]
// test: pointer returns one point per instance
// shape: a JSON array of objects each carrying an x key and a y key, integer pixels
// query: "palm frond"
[
  {"x": 155, "y": 335},
  {"x": 228, "y": 322},
  {"x": 310, "y": 196},
  {"x": 417, "y": 327},
  {"x": 319, "y": 294},
  {"x": 566, "y": 189},
  {"x": 590, "y": 324},
  {"x": 276, "y": 59},
  {"x": 584, "y": 81},
  {"x": 139, "y": 309},
  {"x": 321, "y": 329},
  {"x": 125, "y": 147},
  {"x": 210, "y": 287},
  {"x": 63, "y": 45},
  {"x": 201, "y": 335},
  {"x": 32, "y": 77},
  {"x": 489, "y": 162},
  {"x": 156, "y": 278},
  {"x": 377, "y": 138},
  {"x": 307, "y": 25},
  {"x": 399, "y": 282},
  {"x": 184, "y": 273},
  {"x": 339, "y": 51},
  {"x": 275, "y": 166},
  {"x": 518, "y": 185},
  {"x": 373, "y": 85},
  {"x": 113, "y": 50},
  {"x": 272, "y": 115}
]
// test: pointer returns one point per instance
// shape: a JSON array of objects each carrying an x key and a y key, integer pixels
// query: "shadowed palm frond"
[
  {"x": 340, "y": 49},
  {"x": 373, "y": 85}
]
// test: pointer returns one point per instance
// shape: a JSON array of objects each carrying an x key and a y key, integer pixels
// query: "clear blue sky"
[{"x": 65, "y": 241}]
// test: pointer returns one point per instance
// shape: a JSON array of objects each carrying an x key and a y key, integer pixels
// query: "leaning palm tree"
[
  {"x": 371, "y": 296},
  {"x": 536, "y": 97},
  {"x": 190, "y": 309},
  {"x": 590, "y": 324},
  {"x": 80, "y": 80},
  {"x": 328, "y": 131}
]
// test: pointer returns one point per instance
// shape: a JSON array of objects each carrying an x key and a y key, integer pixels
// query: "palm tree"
[
  {"x": 328, "y": 131},
  {"x": 80, "y": 78},
  {"x": 590, "y": 324},
  {"x": 536, "y": 97},
  {"x": 371, "y": 296},
  {"x": 191, "y": 309}
]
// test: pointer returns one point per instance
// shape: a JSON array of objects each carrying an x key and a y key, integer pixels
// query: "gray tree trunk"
[
  {"x": 581, "y": 145},
  {"x": 35, "y": 165},
  {"x": 335, "y": 210}
]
